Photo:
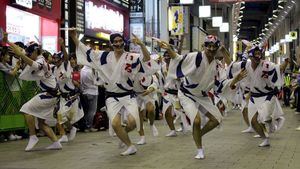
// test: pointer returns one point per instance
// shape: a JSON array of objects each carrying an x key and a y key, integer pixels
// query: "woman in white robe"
[{"x": 42, "y": 105}]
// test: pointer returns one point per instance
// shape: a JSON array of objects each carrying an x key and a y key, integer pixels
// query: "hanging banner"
[
  {"x": 176, "y": 22},
  {"x": 234, "y": 1}
]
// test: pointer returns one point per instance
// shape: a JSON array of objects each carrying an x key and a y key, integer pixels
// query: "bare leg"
[
  {"x": 61, "y": 129},
  {"x": 197, "y": 131},
  {"x": 211, "y": 124},
  {"x": 48, "y": 131},
  {"x": 151, "y": 112},
  {"x": 169, "y": 118},
  {"x": 131, "y": 124},
  {"x": 245, "y": 116},
  {"x": 141, "y": 132},
  {"x": 259, "y": 128},
  {"x": 120, "y": 131},
  {"x": 30, "y": 123}
]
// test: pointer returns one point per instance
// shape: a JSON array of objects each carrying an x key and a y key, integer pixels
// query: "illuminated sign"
[
  {"x": 25, "y": 3},
  {"x": 104, "y": 18}
]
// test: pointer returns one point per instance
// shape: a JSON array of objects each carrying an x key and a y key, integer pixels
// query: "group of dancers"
[{"x": 195, "y": 85}]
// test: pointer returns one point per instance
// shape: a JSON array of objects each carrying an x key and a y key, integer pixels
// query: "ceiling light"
[
  {"x": 224, "y": 27},
  {"x": 217, "y": 21},
  {"x": 279, "y": 6},
  {"x": 243, "y": 7},
  {"x": 204, "y": 11}
]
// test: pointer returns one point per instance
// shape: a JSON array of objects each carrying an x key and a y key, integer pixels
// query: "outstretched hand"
[{"x": 136, "y": 40}]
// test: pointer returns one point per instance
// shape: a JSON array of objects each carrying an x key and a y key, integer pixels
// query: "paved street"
[{"x": 225, "y": 148}]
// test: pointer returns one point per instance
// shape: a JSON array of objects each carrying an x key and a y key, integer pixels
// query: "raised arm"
[
  {"x": 168, "y": 47},
  {"x": 226, "y": 55},
  {"x": 17, "y": 51},
  {"x": 73, "y": 35},
  {"x": 63, "y": 49},
  {"x": 145, "y": 52}
]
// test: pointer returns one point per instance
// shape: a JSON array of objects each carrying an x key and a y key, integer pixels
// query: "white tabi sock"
[
  {"x": 265, "y": 143},
  {"x": 72, "y": 134},
  {"x": 154, "y": 130},
  {"x": 172, "y": 134},
  {"x": 33, "y": 140},
  {"x": 142, "y": 141},
  {"x": 55, "y": 146},
  {"x": 63, "y": 139},
  {"x": 130, "y": 151},
  {"x": 200, "y": 154}
]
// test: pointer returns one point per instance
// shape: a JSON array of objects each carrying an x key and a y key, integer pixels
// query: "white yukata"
[
  {"x": 140, "y": 85},
  {"x": 169, "y": 90},
  {"x": 69, "y": 109},
  {"x": 199, "y": 77},
  {"x": 42, "y": 105},
  {"x": 264, "y": 83},
  {"x": 242, "y": 86},
  {"x": 118, "y": 77}
]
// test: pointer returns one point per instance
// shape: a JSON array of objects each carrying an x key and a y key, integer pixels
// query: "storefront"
[
  {"x": 32, "y": 20},
  {"x": 103, "y": 18}
]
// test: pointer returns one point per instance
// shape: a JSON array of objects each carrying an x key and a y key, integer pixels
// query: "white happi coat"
[
  {"x": 264, "y": 83},
  {"x": 42, "y": 105},
  {"x": 199, "y": 77},
  {"x": 168, "y": 86},
  {"x": 117, "y": 76},
  {"x": 140, "y": 85},
  {"x": 69, "y": 110}
]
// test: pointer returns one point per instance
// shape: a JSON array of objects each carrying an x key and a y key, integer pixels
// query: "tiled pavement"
[{"x": 225, "y": 148}]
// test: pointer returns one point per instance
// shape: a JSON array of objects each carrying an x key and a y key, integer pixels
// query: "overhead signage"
[
  {"x": 136, "y": 5},
  {"x": 293, "y": 35},
  {"x": 93, "y": 12},
  {"x": 24, "y": 3}
]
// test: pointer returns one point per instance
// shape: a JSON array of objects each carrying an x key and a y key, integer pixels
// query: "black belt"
[
  {"x": 272, "y": 93},
  {"x": 53, "y": 92},
  {"x": 118, "y": 95},
  {"x": 172, "y": 91}
]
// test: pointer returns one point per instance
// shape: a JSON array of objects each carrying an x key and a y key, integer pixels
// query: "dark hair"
[
  {"x": 114, "y": 35},
  {"x": 31, "y": 48},
  {"x": 72, "y": 56},
  {"x": 46, "y": 54},
  {"x": 3, "y": 52}
]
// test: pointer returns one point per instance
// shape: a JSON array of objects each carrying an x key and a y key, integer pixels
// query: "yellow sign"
[
  {"x": 239, "y": 47},
  {"x": 293, "y": 35},
  {"x": 176, "y": 21},
  {"x": 102, "y": 35}
]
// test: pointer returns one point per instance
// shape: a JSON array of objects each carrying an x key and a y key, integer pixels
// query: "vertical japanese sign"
[
  {"x": 136, "y": 21},
  {"x": 176, "y": 22}
]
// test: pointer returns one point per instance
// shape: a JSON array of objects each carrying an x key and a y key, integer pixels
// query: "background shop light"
[
  {"x": 80, "y": 36},
  {"x": 204, "y": 11},
  {"x": 217, "y": 21},
  {"x": 186, "y": 1},
  {"x": 224, "y": 27}
]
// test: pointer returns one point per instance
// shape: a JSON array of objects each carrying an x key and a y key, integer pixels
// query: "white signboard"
[
  {"x": 22, "y": 26},
  {"x": 102, "y": 17},
  {"x": 49, "y": 43},
  {"x": 25, "y": 3}
]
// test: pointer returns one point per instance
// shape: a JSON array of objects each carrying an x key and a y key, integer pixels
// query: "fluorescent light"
[
  {"x": 204, "y": 11},
  {"x": 279, "y": 6},
  {"x": 243, "y": 7},
  {"x": 186, "y": 1},
  {"x": 275, "y": 16},
  {"x": 224, "y": 27},
  {"x": 80, "y": 36},
  {"x": 88, "y": 40},
  {"x": 288, "y": 38},
  {"x": 96, "y": 42},
  {"x": 217, "y": 21}
]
